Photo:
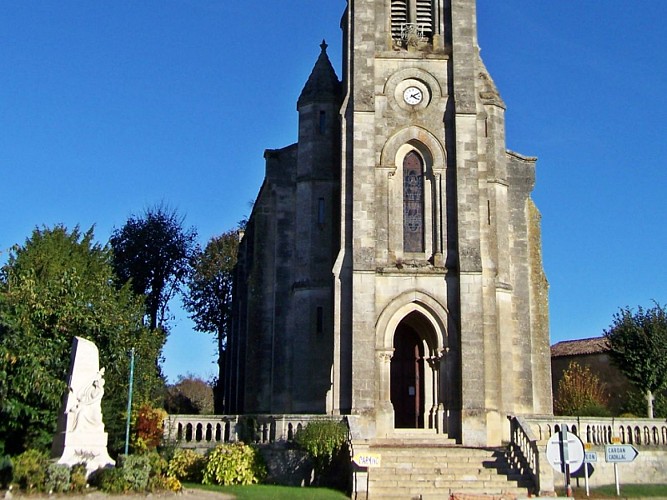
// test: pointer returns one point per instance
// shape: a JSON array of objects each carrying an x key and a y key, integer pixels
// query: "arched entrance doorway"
[
  {"x": 407, "y": 378},
  {"x": 413, "y": 384}
]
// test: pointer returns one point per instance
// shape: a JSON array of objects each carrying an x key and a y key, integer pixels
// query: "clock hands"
[{"x": 413, "y": 95}]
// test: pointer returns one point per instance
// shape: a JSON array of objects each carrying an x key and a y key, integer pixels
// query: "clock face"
[{"x": 413, "y": 95}]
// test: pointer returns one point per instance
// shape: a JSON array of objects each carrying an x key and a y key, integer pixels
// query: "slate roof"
[
  {"x": 322, "y": 84},
  {"x": 579, "y": 347}
]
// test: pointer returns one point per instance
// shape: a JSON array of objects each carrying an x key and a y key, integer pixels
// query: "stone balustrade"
[
  {"x": 523, "y": 455},
  {"x": 208, "y": 431},
  {"x": 530, "y": 434},
  {"x": 600, "y": 431}
]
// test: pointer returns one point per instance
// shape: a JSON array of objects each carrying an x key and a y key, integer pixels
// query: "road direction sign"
[
  {"x": 570, "y": 452},
  {"x": 591, "y": 457},
  {"x": 619, "y": 453}
]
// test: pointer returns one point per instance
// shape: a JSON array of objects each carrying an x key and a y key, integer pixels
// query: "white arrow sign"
[{"x": 618, "y": 453}]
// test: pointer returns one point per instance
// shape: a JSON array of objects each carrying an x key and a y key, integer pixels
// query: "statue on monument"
[
  {"x": 80, "y": 435},
  {"x": 86, "y": 407}
]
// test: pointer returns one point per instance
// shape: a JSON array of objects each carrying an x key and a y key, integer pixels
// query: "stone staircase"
[{"x": 424, "y": 467}]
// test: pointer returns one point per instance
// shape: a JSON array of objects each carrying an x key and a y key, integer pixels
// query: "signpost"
[
  {"x": 618, "y": 454},
  {"x": 565, "y": 453},
  {"x": 368, "y": 461},
  {"x": 590, "y": 457}
]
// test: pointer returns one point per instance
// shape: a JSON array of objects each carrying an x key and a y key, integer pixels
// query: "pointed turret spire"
[{"x": 322, "y": 84}]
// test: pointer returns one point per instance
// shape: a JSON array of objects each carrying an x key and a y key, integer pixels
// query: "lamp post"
[{"x": 129, "y": 403}]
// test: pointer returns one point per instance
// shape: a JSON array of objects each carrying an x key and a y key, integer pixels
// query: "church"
[{"x": 391, "y": 267}]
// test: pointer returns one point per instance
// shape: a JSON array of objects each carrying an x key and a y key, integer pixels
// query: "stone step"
[
  {"x": 489, "y": 487},
  {"x": 496, "y": 468},
  {"x": 431, "y": 449},
  {"x": 443, "y": 492},
  {"x": 434, "y": 448},
  {"x": 466, "y": 475},
  {"x": 403, "y": 460},
  {"x": 437, "y": 458},
  {"x": 401, "y": 437},
  {"x": 434, "y": 470}
]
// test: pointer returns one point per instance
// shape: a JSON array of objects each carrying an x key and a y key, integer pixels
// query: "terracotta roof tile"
[{"x": 578, "y": 347}]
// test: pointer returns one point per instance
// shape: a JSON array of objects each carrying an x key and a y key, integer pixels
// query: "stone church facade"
[{"x": 391, "y": 267}]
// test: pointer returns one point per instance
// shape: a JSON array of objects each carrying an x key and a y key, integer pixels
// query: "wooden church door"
[{"x": 407, "y": 379}]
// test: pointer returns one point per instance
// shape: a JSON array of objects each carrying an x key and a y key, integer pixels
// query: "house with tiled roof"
[{"x": 594, "y": 354}]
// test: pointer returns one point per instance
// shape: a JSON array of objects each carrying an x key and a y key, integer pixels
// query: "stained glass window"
[{"x": 413, "y": 203}]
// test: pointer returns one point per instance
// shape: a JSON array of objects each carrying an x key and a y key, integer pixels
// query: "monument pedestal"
[{"x": 89, "y": 447}]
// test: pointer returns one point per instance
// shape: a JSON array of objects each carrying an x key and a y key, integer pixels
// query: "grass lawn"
[
  {"x": 627, "y": 491},
  {"x": 264, "y": 491}
]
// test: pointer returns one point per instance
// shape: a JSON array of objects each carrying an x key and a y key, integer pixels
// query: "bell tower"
[
  {"x": 440, "y": 300},
  {"x": 391, "y": 267}
]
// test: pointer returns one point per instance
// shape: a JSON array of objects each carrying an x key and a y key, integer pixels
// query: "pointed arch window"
[
  {"x": 411, "y": 18},
  {"x": 413, "y": 203}
]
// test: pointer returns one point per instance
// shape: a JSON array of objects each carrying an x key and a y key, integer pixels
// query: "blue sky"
[{"x": 107, "y": 108}]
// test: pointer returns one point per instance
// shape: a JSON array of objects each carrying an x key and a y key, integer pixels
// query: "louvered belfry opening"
[
  {"x": 399, "y": 17},
  {"x": 424, "y": 16},
  {"x": 411, "y": 18}
]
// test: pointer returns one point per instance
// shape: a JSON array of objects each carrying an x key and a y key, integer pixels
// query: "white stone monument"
[{"x": 80, "y": 436}]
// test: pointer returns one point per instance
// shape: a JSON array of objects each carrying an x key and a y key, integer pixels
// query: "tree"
[
  {"x": 209, "y": 297},
  {"x": 153, "y": 253},
  {"x": 638, "y": 343},
  {"x": 190, "y": 395},
  {"x": 581, "y": 393},
  {"x": 60, "y": 284}
]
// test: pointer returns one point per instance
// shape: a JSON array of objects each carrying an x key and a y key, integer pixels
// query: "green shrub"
[
  {"x": 6, "y": 471},
  {"x": 148, "y": 428},
  {"x": 187, "y": 465},
  {"x": 174, "y": 484},
  {"x": 157, "y": 484},
  {"x": 77, "y": 477},
  {"x": 110, "y": 480},
  {"x": 30, "y": 469},
  {"x": 580, "y": 393},
  {"x": 157, "y": 463},
  {"x": 322, "y": 440},
  {"x": 592, "y": 410},
  {"x": 234, "y": 463},
  {"x": 136, "y": 471},
  {"x": 57, "y": 478},
  {"x": 131, "y": 473}
]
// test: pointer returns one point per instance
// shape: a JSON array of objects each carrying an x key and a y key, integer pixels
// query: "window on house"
[{"x": 413, "y": 203}]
